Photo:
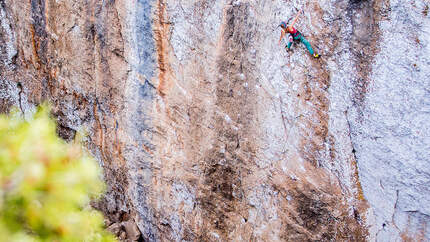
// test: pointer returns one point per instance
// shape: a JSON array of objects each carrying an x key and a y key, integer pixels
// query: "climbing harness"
[{"x": 296, "y": 34}]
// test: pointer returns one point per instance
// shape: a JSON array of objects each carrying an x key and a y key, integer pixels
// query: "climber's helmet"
[{"x": 283, "y": 25}]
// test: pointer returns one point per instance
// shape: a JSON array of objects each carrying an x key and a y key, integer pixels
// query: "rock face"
[{"x": 208, "y": 130}]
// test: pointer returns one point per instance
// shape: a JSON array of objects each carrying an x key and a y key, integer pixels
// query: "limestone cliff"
[{"x": 208, "y": 130}]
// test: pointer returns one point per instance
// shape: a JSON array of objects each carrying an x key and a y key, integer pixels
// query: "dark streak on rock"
[
  {"x": 100, "y": 35},
  {"x": 225, "y": 170},
  {"x": 146, "y": 91},
  {"x": 40, "y": 47},
  {"x": 66, "y": 133},
  {"x": 364, "y": 17},
  {"x": 313, "y": 217},
  {"x": 19, "y": 85},
  {"x": 40, "y": 37}
]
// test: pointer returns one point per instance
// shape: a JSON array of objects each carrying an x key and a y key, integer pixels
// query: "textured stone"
[
  {"x": 114, "y": 228},
  {"x": 391, "y": 130},
  {"x": 132, "y": 230},
  {"x": 208, "y": 130}
]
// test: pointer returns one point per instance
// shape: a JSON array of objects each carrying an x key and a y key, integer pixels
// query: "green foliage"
[{"x": 46, "y": 184}]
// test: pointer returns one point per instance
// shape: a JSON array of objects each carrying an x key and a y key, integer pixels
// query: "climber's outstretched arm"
[
  {"x": 282, "y": 36},
  {"x": 295, "y": 19}
]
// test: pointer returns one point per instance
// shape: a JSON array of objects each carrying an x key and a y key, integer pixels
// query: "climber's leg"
[
  {"x": 307, "y": 44},
  {"x": 290, "y": 42},
  {"x": 288, "y": 46}
]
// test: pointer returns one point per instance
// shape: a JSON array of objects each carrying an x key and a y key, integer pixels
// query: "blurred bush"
[{"x": 46, "y": 184}]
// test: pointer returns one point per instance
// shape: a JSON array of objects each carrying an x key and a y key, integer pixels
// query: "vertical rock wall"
[
  {"x": 73, "y": 54},
  {"x": 390, "y": 131},
  {"x": 208, "y": 130}
]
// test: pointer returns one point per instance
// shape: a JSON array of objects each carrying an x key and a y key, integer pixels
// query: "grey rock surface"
[{"x": 391, "y": 133}]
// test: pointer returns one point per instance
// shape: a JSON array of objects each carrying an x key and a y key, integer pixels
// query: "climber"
[{"x": 295, "y": 35}]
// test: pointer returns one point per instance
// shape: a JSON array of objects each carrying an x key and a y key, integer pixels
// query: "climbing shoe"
[{"x": 316, "y": 55}]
